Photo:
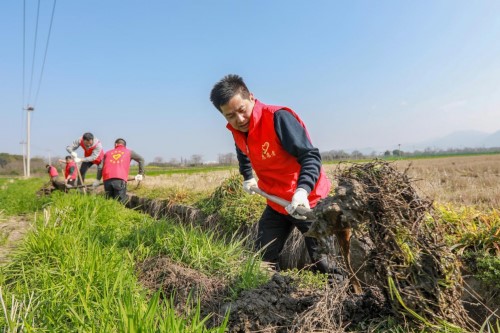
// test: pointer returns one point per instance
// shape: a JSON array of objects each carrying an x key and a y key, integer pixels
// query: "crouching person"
[
  {"x": 115, "y": 170},
  {"x": 70, "y": 171}
]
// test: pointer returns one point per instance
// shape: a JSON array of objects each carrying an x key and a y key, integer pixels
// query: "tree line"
[{"x": 13, "y": 164}]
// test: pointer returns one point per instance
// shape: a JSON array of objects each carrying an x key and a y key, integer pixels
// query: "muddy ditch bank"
[{"x": 479, "y": 299}]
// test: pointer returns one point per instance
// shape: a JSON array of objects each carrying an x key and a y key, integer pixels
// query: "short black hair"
[
  {"x": 68, "y": 157},
  {"x": 88, "y": 136},
  {"x": 47, "y": 166},
  {"x": 121, "y": 141},
  {"x": 229, "y": 86}
]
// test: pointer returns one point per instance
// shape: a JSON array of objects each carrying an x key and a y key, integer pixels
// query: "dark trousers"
[
  {"x": 274, "y": 229},
  {"x": 116, "y": 189},
  {"x": 83, "y": 170}
]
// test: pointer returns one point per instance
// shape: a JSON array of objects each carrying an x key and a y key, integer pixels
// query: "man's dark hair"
[
  {"x": 227, "y": 88},
  {"x": 47, "y": 166},
  {"x": 121, "y": 142},
  {"x": 88, "y": 136}
]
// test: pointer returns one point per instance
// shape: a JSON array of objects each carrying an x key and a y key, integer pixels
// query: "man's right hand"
[
  {"x": 248, "y": 184},
  {"x": 96, "y": 184},
  {"x": 74, "y": 154}
]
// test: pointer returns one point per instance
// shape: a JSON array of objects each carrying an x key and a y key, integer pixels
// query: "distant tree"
[
  {"x": 173, "y": 162},
  {"x": 227, "y": 159},
  {"x": 356, "y": 154},
  {"x": 387, "y": 153},
  {"x": 196, "y": 159},
  {"x": 397, "y": 152},
  {"x": 3, "y": 162},
  {"x": 158, "y": 159}
]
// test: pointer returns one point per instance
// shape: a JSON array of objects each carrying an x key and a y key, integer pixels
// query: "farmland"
[{"x": 89, "y": 264}]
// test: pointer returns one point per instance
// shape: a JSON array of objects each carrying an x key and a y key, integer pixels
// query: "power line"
[
  {"x": 34, "y": 50},
  {"x": 45, "y": 55},
  {"x": 24, "y": 70},
  {"x": 24, "y": 48}
]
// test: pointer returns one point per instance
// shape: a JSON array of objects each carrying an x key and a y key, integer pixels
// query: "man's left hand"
[
  {"x": 299, "y": 199},
  {"x": 138, "y": 178}
]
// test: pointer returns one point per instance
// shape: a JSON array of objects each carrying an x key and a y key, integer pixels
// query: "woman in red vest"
[
  {"x": 115, "y": 170},
  {"x": 273, "y": 141}
]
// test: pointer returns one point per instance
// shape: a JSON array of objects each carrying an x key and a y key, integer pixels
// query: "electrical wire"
[
  {"x": 45, "y": 54},
  {"x": 24, "y": 49},
  {"x": 34, "y": 50}
]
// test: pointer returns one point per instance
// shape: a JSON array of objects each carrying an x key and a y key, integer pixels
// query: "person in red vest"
[
  {"x": 70, "y": 171},
  {"x": 274, "y": 142},
  {"x": 92, "y": 152},
  {"x": 115, "y": 170},
  {"x": 52, "y": 171}
]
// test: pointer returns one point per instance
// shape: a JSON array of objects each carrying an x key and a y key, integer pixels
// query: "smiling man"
[{"x": 273, "y": 141}]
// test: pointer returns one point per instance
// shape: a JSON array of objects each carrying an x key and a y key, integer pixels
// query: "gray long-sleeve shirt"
[{"x": 95, "y": 153}]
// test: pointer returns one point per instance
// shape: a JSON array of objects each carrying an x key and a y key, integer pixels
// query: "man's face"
[
  {"x": 88, "y": 143},
  {"x": 238, "y": 112}
]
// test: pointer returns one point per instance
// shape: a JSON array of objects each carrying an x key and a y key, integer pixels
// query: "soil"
[
  {"x": 278, "y": 306},
  {"x": 12, "y": 230}
]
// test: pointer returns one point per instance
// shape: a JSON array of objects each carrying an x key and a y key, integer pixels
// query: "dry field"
[
  {"x": 468, "y": 180},
  {"x": 461, "y": 181}
]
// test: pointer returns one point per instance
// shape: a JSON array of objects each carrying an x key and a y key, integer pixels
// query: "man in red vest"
[
  {"x": 92, "y": 152},
  {"x": 115, "y": 170},
  {"x": 70, "y": 171},
  {"x": 274, "y": 142}
]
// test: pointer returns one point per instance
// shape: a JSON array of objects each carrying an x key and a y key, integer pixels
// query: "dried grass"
[{"x": 460, "y": 181}]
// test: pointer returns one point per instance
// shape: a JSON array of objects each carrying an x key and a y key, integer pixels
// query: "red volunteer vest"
[
  {"x": 116, "y": 163},
  {"x": 88, "y": 151},
  {"x": 277, "y": 170},
  {"x": 66, "y": 171},
  {"x": 53, "y": 171}
]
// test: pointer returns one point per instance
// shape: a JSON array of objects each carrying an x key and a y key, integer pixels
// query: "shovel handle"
[{"x": 280, "y": 201}]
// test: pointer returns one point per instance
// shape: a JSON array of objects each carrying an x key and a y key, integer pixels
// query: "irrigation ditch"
[{"x": 281, "y": 305}]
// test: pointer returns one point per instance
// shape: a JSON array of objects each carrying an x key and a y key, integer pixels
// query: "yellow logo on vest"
[
  {"x": 117, "y": 157},
  {"x": 265, "y": 151}
]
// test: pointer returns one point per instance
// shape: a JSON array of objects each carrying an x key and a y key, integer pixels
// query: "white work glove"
[
  {"x": 138, "y": 178},
  {"x": 299, "y": 199},
  {"x": 96, "y": 183},
  {"x": 73, "y": 153},
  {"x": 77, "y": 159},
  {"x": 248, "y": 184}
]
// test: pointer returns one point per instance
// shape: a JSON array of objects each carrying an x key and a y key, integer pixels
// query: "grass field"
[
  {"x": 464, "y": 180},
  {"x": 77, "y": 267}
]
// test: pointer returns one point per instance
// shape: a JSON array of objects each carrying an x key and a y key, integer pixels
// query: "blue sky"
[{"x": 359, "y": 73}]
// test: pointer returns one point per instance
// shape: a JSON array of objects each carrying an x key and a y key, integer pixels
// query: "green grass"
[
  {"x": 233, "y": 205},
  {"x": 77, "y": 267},
  {"x": 17, "y": 196}
]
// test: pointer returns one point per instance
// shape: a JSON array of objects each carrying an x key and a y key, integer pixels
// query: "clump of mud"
[
  {"x": 278, "y": 306},
  {"x": 407, "y": 259},
  {"x": 182, "y": 284}
]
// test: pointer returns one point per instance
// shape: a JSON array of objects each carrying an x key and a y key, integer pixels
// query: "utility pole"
[
  {"x": 399, "y": 150},
  {"x": 23, "y": 144},
  {"x": 28, "y": 130}
]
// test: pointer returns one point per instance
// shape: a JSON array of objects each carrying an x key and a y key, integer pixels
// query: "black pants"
[
  {"x": 116, "y": 189},
  {"x": 83, "y": 170},
  {"x": 274, "y": 229}
]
